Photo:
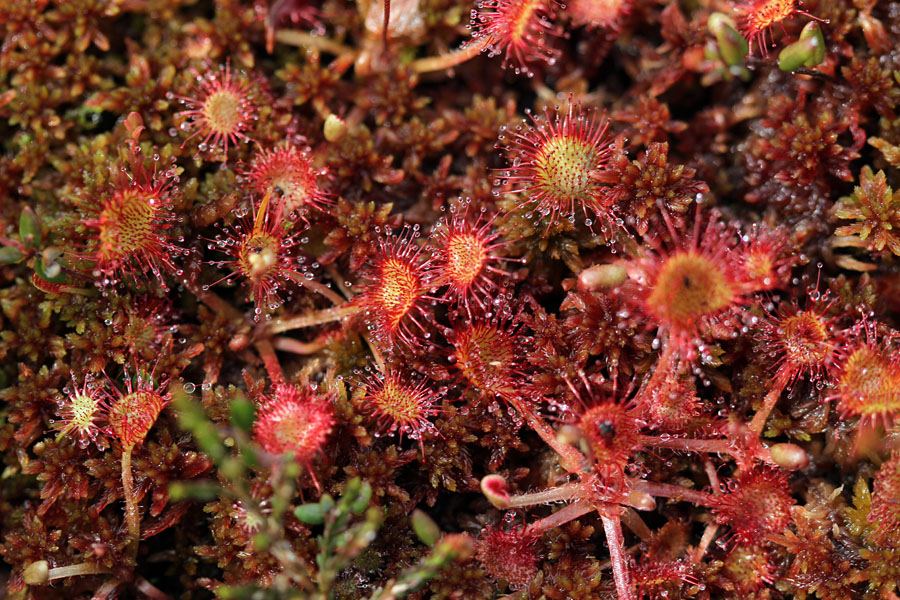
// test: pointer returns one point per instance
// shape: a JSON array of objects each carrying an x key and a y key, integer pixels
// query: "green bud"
[
  {"x": 30, "y": 228},
  {"x": 199, "y": 490},
  {"x": 602, "y": 277},
  {"x": 292, "y": 468},
  {"x": 351, "y": 490},
  {"x": 51, "y": 273},
  {"x": 733, "y": 47},
  {"x": 326, "y": 502},
  {"x": 10, "y": 255},
  {"x": 261, "y": 541},
  {"x": 242, "y": 414},
  {"x": 311, "y": 514},
  {"x": 37, "y": 573},
  {"x": 231, "y": 468},
  {"x": 426, "y": 529},
  {"x": 335, "y": 128},
  {"x": 361, "y": 502},
  {"x": 812, "y": 31},
  {"x": 808, "y": 51}
]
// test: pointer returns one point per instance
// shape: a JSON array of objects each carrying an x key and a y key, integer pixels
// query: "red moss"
[
  {"x": 875, "y": 208},
  {"x": 650, "y": 121},
  {"x": 650, "y": 188},
  {"x": 798, "y": 151},
  {"x": 552, "y": 164},
  {"x": 749, "y": 568}
]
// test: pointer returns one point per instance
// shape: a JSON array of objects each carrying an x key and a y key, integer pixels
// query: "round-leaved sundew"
[
  {"x": 867, "y": 382},
  {"x": 515, "y": 28},
  {"x": 693, "y": 286},
  {"x": 393, "y": 294},
  {"x": 287, "y": 173},
  {"x": 754, "y": 504},
  {"x": 462, "y": 255},
  {"x": 293, "y": 419},
  {"x": 131, "y": 226},
  {"x": 400, "y": 404},
  {"x": 552, "y": 164},
  {"x": 485, "y": 354},
  {"x": 79, "y": 412},
  {"x": 759, "y": 16},
  {"x": 261, "y": 252},
  {"x": 508, "y": 555},
  {"x": 604, "y": 14},
  {"x": 222, "y": 108},
  {"x": 130, "y": 414}
]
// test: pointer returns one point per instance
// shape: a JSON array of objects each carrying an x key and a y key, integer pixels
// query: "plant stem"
[
  {"x": 708, "y": 535},
  {"x": 211, "y": 300},
  {"x": 74, "y": 570},
  {"x": 457, "y": 57},
  {"x": 667, "y": 490},
  {"x": 319, "y": 317},
  {"x": 721, "y": 446},
  {"x": 302, "y": 39},
  {"x": 569, "y": 512},
  {"x": 293, "y": 346},
  {"x": 273, "y": 367},
  {"x": 562, "y": 493},
  {"x": 612, "y": 526},
  {"x": 132, "y": 517},
  {"x": 315, "y": 286},
  {"x": 759, "y": 419}
]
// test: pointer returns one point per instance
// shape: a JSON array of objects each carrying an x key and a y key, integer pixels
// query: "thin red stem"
[
  {"x": 569, "y": 512},
  {"x": 270, "y": 360},
  {"x": 759, "y": 419},
  {"x": 612, "y": 526},
  {"x": 447, "y": 61},
  {"x": 132, "y": 516}
]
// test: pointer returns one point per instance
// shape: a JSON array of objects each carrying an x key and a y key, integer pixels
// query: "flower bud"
[
  {"x": 496, "y": 490},
  {"x": 426, "y": 529},
  {"x": 808, "y": 51},
  {"x": 732, "y": 45},
  {"x": 335, "y": 128},
  {"x": 789, "y": 456}
]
